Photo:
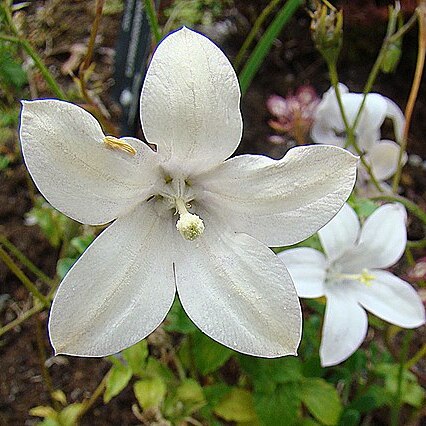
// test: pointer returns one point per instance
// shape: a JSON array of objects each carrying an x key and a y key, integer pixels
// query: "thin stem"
[
  {"x": 152, "y": 18},
  {"x": 23, "y": 317},
  {"x": 87, "y": 404},
  {"x": 403, "y": 356},
  {"x": 25, "y": 261},
  {"x": 421, "y": 13},
  {"x": 42, "y": 358},
  {"x": 409, "y": 205},
  {"x": 254, "y": 31},
  {"x": 417, "y": 244},
  {"x": 421, "y": 353},
  {"x": 350, "y": 130},
  {"x": 32, "y": 53},
  {"x": 30, "y": 286},
  {"x": 90, "y": 48}
]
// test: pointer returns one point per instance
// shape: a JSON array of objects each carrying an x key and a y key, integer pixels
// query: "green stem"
[
  {"x": 421, "y": 52},
  {"x": 32, "y": 53},
  {"x": 95, "y": 395},
  {"x": 409, "y": 205},
  {"x": 420, "y": 354},
  {"x": 152, "y": 18},
  {"x": 350, "y": 130},
  {"x": 417, "y": 244},
  {"x": 22, "y": 277},
  {"x": 403, "y": 356},
  {"x": 18, "y": 321},
  {"x": 25, "y": 261},
  {"x": 254, "y": 31}
]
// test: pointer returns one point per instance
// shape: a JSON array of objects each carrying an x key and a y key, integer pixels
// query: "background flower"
[{"x": 351, "y": 275}]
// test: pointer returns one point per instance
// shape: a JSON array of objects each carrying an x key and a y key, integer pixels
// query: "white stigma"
[{"x": 189, "y": 225}]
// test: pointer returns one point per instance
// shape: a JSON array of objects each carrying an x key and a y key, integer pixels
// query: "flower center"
[{"x": 189, "y": 225}]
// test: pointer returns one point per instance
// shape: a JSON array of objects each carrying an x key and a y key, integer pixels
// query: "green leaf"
[
  {"x": 64, "y": 265},
  {"x": 350, "y": 417},
  {"x": 118, "y": 378},
  {"x": 265, "y": 373},
  {"x": 322, "y": 400},
  {"x": 150, "y": 392},
  {"x": 281, "y": 407},
  {"x": 236, "y": 405},
  {"x": 11, "y": 72},
  {"x": 208, "y": 354},
  {"x": 136, "y": 357},
  {"x": 190, "y": 391},
  {"x": 81, "y": 243},
  {"x": 373, "y": 398},
  {"x": 178, "y": 321},
  {"x": 59, "y": 395},
  {"x": 362, "y": 206},
  {"x": 262, "y": 48},
  {"x": 43, "y": 411},
  {"x": 155, "y": 368},
  {"x": 69, "y": 415}
]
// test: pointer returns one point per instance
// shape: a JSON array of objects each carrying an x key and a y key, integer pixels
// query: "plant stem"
[
  {"x": 409, "y": 205},
  {"x": 254, "y": 31},
  {"x": 25, "y": 261},
  {"x": 152, "y": 18},
  {"x": 417, "y": 244},
  {"x": 32, "y": 53},
  {"x": 403, "y": 356},
  {"x": 17, "y": 321},
  {"x": 30, "y": 286},
  {"x": 87, "y": 404},
  {"x": 42, "y": 358},
  {"x": 421, "y": 353},
  {"x": 421, "y": 13}
]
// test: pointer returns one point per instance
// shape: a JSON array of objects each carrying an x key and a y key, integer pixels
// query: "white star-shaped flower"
[
  {"x": 350, "y": 275},
  {"x": 329, "y": 128},
  {"x": 185, "y": 219}
]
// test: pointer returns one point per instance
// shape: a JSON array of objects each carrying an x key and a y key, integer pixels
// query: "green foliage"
[
  {"x": 118, "y": 378},
  {"x": 12, "y": 76},
  {"x": 237, "y": 405},
  {"x": 150, "y": 392}
]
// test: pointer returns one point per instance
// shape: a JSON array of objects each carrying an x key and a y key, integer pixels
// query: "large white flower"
[
  {"x": 230, "y": 284},
  {"x": 329, "y": 128},
  {"x": 350, "y": 275}
]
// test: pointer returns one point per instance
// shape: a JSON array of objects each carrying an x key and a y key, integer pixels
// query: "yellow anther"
[
  {"x": 118, "y": 144},
  {"x": 366, "y": 278}
]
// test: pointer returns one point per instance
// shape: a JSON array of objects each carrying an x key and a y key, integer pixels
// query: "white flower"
[
  {"x": 351, "y": 276},
  {"x": 329, "y": 128},
  {"x": 186, "y": 220}
]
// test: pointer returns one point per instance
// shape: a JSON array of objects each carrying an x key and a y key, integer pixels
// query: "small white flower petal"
[
  {"x": 381, "y": 243},
  {"x": 341, "y": 233},
  {"x": 77, "y": 173},
  {"x": 238, "y": 292},
  {"x": 345, "y": 326},
  {"x": 119, "y": 291},
  {"x": 307, "y": 268},
  {"x": 281, "y": 202},
  {"x": 383, "y": 159},
  {"x": 396, "y": 115},
  {"x": 391, "y": 299},
  {"x": 374, "y": 112},
  {"x": 190, "y": 102}
]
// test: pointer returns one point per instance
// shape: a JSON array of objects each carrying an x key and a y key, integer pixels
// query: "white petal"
[
  {"x": 119, "y": 291},
  {"x": 307, "y": 268},
  {"x": 238, "y": 292},
  {"x": 383, "y": 159},
  {"x": 394, "y": 112},
  {"x": 340, "y": 233},
  {"x": 190, "y": 102},
  {"x": 374, "y": 112},
  {"x": 65, "y": 154},
  {"x": 345, "y": 326},
  {"x": 381, "y": 243},
  {"x": 391, "y": 299},
  {"x": 281, "y": 202},
  {"x": 326, "y": 135}
]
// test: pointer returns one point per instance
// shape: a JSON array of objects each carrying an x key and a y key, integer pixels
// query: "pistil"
[{"x": 189, "y": 225}]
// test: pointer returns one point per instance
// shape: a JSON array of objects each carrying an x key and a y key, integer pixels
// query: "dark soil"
[{"x": 53, "y": 26}]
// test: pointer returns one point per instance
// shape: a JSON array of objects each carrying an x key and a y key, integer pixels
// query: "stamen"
[
  {"x": 189, "y": 225},
  {"x": 118, "y": 144}
]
